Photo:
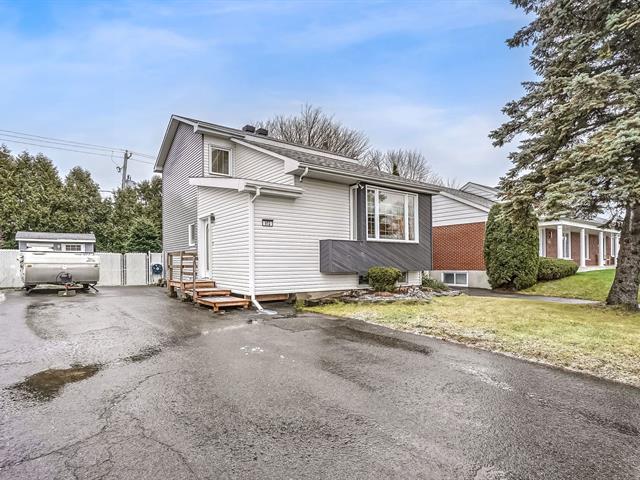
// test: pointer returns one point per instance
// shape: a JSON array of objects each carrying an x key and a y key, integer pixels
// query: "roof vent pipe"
[
  {"x": 249, "y": 128},
  {"x": 262, "y": 131}
]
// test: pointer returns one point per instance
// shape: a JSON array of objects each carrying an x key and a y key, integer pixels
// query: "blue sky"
[{"x": 430, "y": 75}]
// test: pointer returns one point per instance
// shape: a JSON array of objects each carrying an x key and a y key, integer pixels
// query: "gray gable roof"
[
  {"x": 472, "y": 197},
  {"x": 305, "y": 155},
  {"x": 348, "y": 167},
  {"x": 83, "y": 237},
  {"x": 488, "y": 187},
  {"x": 248, "y": 135}
]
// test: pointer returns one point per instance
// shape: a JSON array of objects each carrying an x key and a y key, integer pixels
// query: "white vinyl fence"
[{"x": 115, "y": 268}]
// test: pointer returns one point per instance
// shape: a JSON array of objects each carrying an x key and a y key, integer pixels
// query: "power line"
[
  {"x": 100, "y": 154},
  {"x": 31, "y": 137}
]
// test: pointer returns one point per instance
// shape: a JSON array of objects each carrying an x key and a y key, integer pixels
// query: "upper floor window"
[
  {"x": 220, "y": 161},
  {"x": 391, "y": 216},
  {"x": 72, "y": 247}
]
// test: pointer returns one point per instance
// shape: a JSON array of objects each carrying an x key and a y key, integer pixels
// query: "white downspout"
[
  {"x": 252, "y": 273},
  {"x": 304, "y": 174}
]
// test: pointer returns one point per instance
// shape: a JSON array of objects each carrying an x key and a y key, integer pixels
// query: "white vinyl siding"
[
  {"x": 229, "y": 236},
  {"x": 287, "y": 255},
  {"x": 178, "y": 197},
  {"x": 447, "y": 211},
  {"x": 259, "y": 166}
]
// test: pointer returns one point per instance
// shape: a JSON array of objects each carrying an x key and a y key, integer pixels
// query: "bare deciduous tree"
[
  {"x": 314, "y": 128},
  {"x": 404, "y": 163}
]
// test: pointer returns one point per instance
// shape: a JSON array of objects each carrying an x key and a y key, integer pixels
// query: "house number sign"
[{"x": 267, "y": 222}]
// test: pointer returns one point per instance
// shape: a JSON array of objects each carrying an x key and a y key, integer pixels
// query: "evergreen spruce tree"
[
  {"x": 126, "y": 209},
  {"x": 143, "y": 236},
  {"x": 79, "y": 209},
  {"x": 579, "y": 121},
  {"x": 511, "y": 249}
]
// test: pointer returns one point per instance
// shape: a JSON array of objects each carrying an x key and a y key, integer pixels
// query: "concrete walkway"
[{"x": 481, "y": 292}]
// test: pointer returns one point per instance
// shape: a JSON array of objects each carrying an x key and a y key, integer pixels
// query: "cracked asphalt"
[{"x": 129, "y": 384}]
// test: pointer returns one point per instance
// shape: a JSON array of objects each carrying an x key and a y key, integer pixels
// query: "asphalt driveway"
[{"x": 129, "y": 384}]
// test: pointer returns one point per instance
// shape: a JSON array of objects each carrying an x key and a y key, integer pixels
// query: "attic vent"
[
  {"x": 249, "y": 128},
  {"x": 262, "y": 131}
]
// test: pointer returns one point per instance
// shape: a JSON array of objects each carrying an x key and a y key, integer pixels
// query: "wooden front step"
[
  {"x": 208, "y": 292},
  {"x": 225, "y": 301}
]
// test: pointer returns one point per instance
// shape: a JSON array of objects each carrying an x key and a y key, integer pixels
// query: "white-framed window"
[
  {"x": 219, "y": 160},
  {"x": 192, "y": 234},
  {"x": 353, "y": 212},
  {"x": 72, "y": 247},
  {"x": 404, "y": 278},
  {"x": 458, "y": 279},
  {"x": 566, "y": 245},
  {"x": 391, "y": 215}
]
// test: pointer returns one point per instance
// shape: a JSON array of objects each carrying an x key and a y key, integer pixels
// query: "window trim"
[
  {"x": 454, "y": 273},
  {"x": 416, "y": 215},
  {"x": 566, "y": 236},
  {"x": 212, "y": 148},
  {"x": 191, "y": 234},
  {"x": 353, "y": 212},
  {"x": 74, "y": 245}
]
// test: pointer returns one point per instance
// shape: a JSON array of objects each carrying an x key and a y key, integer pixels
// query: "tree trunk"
[{"x": 624, "y": 290}]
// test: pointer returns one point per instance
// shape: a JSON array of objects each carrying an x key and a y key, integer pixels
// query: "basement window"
[
  {"x": 220, "y": 161},
  {"x": 456, "y": 279}
]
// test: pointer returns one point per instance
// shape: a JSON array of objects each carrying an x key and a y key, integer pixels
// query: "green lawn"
[
  {"x": 593, "y": 285},
  {"x": 594, "y": 339}
]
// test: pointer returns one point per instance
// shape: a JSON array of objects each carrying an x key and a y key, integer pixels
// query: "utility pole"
[{"x": 127, "y": 156}]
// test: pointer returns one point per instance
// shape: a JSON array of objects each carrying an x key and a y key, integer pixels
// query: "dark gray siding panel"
[
  {"x": 179, "y": 199},
  {"x": 357, "y": 256}
]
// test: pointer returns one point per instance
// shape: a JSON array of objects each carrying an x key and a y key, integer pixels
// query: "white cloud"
[{"x": 454, "y": 141}]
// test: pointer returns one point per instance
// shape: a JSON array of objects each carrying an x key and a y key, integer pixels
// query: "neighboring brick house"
[{"x": 459, "y": 219}]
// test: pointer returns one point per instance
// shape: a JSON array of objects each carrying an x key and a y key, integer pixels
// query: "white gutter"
[{"x": 252, "y": 272}]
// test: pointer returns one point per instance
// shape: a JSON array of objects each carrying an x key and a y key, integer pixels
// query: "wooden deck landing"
[{"x": 182, "y": 267}]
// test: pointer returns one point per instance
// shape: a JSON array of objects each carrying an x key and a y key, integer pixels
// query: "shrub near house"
[
  {"x": 555, "y": 268},
  {"x": 511, "y": 250},
  {"x": 383, "y": 279}
]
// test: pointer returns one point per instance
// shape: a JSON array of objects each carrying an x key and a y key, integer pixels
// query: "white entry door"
[{"x": 204, "y": 248}]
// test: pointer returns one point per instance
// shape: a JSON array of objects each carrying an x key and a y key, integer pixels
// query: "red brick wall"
[
  {"x": 575, "y": 247},
  {"x": 593, "y": 250},
  {"x": 459, "y": 247},
  {"x": 551, "y": 243}
]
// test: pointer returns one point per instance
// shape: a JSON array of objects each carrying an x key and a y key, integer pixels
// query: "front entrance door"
[{"x": 204, "y": 250}]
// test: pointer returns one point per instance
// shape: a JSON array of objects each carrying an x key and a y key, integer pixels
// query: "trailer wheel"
[
  {"x": 85, "y": 287},
  {"x": 29, "y": 288}
]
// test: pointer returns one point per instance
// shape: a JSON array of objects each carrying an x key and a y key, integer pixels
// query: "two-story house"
[{"x": 269, "y": 217}]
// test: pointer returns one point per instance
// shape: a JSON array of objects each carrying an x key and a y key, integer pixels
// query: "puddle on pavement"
[
  {"x": 354, "y": 335},
  {"x": 143, "y": 354},
  {"x": 47, "y": 384}
]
